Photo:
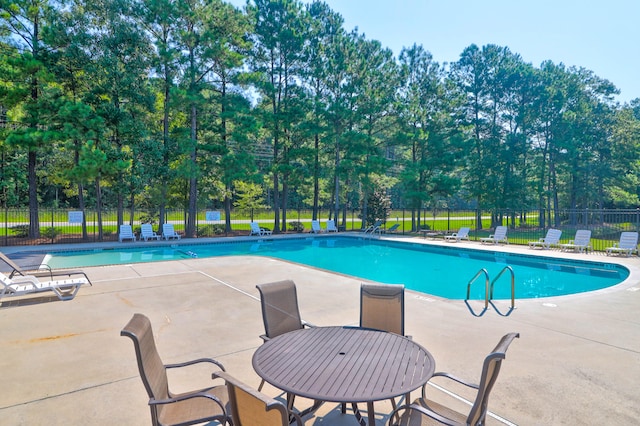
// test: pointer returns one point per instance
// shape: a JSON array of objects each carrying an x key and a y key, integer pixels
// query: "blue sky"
[{"x": 602, "y": 36}]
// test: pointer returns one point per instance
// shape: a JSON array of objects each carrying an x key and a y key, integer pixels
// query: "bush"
[
  {"x": 20, "y": 231},
  {"x": 296, "y": 227},
  {"x": 50, "y": 233},
  {"x": 209, "y": 230}
]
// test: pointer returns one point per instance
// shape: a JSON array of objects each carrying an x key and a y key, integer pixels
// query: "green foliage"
[
  {"x": 296, "y": 226},
  {"x": 51, "y": 232}
]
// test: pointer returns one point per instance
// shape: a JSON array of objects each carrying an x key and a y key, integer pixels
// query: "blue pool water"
[{"x": 440, "y": 271}]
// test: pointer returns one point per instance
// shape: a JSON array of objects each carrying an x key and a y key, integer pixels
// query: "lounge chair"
[
  {"x": 258, "y": 230},
  {"x": 392, "y": 229},
  {"x": 167, "y": 408},
  {"x": 147, "y": 233},
  {"x": 628, "y": 244},
  {"x": 28, "y": 284},
  {"x": 331, "y": 226},
  {"x": 280, "y": 311},
  {"x": 581, "y": 242},
  {"x": 315, "y": 227},
  {"x": 462, "y": 234},
  {"x": 39, "y": 271},
  {"x": 249, "y": 407},
  {"x": 552, "y": 239},
  {"x": 498, "y": 236},
  {"x": 425, "y": 411},
  {"x": 168, "y": 232},
  {"x": 126, "y": 233}
]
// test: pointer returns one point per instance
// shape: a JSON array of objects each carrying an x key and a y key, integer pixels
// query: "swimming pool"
[{"x": 440, "y": 271}]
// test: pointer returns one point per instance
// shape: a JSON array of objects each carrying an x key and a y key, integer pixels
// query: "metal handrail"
[
  {"x": 486, "y": 286},
  {"x": 513, "y": 285}
]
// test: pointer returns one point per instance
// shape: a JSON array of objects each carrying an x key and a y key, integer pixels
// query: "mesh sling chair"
[
  {"x": 187, "y": 408},
  {"x": 280, "y": 311},
  {"x": 248, "y": 407},
  {"x": 426, "y": 412},
  {"x": 382, "y": 307}
]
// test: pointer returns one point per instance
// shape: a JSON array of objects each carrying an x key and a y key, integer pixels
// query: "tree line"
[{"x": 160, "y": 104}]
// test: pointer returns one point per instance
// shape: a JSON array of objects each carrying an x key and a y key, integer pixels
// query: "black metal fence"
[{"x": 59, "y": 226}]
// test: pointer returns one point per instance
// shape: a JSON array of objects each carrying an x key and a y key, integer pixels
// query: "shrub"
[
  {"x": 296, "y": 227},
  {"x": 50, "y": 233},
  {"x": 20, "y": 231}
]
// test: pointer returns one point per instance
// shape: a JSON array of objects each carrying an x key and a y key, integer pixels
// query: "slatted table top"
[{"x": 344, "y": 364}]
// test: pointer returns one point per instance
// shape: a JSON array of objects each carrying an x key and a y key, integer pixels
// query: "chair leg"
[{"x": 261, "y": 385}]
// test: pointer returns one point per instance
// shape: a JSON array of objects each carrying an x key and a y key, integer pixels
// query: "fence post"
[{"x": 53, "y": 230}]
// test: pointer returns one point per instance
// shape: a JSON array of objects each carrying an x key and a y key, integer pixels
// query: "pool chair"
[
  {"x": 126, "y": 233},
  {"x": 392, "y": 229},
  {"x": 39, "y": 271},
  {"x": 258, "y": 230},
  {"x": 249, "y": 407},
  {"x": 581, "y": 242},
  {"x": 167, "y": 408},
  {"x": 147, "y": 233},
  {"x": 552, "y": 239},
  {"x": 424, "y": 411},
  {"x": 462, "y": 234},
  {"x": 315, "y": 227},
  {"x": 280, "y": 311},
  {"x": 168, "y": 232},
  {"x": 331, "y": 226},
  {"x": 628, "y": 244},
  {"x": 499, "y": 236},
  {"x": 65, "y": 289}
]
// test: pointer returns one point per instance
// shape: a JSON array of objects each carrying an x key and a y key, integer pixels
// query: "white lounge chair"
[
  {"x": 147, "y": 233},
  {"x": 628, "y": 244},
  {"x": 258, "y": 230},
  {"x": 315, "y": 227},
  {"x": 126, "y": 233},
  {"x": 581, "y": 242},
  {"x": 462, "y": 234},
  {"x": 552, "y": 239},
  {"x": 331, "y": 226},
  {"x": 168, "y": 232},
  {"x": 28, "y": 284},
  {"x": 499, "y": 236}
]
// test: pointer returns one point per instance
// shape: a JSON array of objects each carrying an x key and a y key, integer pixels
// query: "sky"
[{"x": 601, "y": 36}]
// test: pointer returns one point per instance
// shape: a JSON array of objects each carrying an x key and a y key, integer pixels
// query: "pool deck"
[{"x": 577, "y": 361}]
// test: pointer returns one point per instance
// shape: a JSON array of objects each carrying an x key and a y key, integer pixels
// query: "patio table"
[{"x": 344, "y": 365}]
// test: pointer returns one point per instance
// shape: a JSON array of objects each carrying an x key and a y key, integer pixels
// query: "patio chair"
[
  {"x": 392, "y": 229},
  {"x": 39, "y": 271},
  {"x": 462, "y": 234},
  {"x": 382, "y": 307},
  {"x": 552, "y": 239},
  {"x": 331, "y": 226},
  {"x": 168, "y": 232},
  {"x": 498, "y": 236},
  {"x": 315, "y": 227},
  {"x": 258, "y": 230},
  {"x": 126, "y": 233},
  {"x": 280, "y": 311},
  {"x": 167, "y": 408},
  {"x": 628, "y": 244},
  {"x": 424, "y": 411},
  {"x": 29, "y": 284},
  {"x": 581, "y": 242},
  {"x": 147, "y": 233},
  {"x": 249, "y": 407}
]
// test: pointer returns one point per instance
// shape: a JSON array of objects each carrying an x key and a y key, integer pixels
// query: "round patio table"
[{"x": 345, "y": 365}]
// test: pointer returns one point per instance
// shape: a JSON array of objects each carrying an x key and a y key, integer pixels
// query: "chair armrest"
[
  {"x": 308, "y": 324},
  {"x": 450, "y": 377},
  {"x": 265, "y": 337},
  {"x": 395, "y": 415},
  {"x": 201, "y": 394},
  {"x": 196, "y": 361}
]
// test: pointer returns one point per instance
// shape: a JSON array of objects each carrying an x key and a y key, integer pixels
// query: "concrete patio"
[{"x": 577, "y": 361}]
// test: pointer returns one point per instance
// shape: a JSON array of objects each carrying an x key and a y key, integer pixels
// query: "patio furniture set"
[{"x": 373, "y": 362}]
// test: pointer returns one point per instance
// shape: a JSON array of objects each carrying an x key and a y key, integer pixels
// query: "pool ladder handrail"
[{"x": 488, "y": 287}]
